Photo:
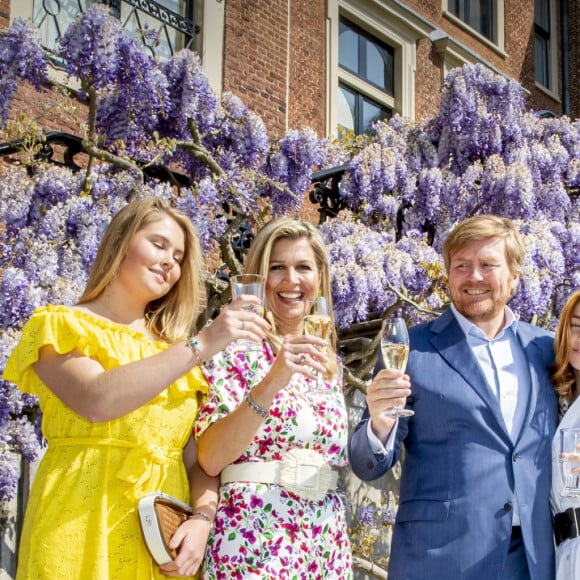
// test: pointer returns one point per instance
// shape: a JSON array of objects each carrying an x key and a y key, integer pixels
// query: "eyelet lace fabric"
[{"x": 81, "y": 519}]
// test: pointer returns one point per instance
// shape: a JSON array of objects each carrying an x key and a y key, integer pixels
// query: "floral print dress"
[{"x": 262, "y": 530}]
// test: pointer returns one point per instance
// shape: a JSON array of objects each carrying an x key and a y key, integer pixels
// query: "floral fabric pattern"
[{"x": 261, "y": 530}]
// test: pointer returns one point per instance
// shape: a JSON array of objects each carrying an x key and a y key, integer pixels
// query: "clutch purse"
[{"x": 160, "y": 515}]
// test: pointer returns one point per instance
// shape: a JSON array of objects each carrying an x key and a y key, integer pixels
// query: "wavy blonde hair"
[
  {"x": 563, "y": 376},
  {"x": 171, "y": 317},
  {"x": 258, "y": 262},
  {"x": 481, "y": 227}
]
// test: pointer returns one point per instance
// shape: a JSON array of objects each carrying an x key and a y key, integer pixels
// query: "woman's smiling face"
[{"x": 293, "y": 276}]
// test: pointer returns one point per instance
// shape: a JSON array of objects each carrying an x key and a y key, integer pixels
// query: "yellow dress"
[{"x": 81, "y": 520}]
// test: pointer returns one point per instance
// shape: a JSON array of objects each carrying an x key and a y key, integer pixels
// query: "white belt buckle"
[
  {"x": 305, "y": 473},
  {"x": 308, "y": 476}
]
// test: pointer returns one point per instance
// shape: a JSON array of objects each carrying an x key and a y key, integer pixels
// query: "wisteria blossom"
[{"x": 402, "y": 188}]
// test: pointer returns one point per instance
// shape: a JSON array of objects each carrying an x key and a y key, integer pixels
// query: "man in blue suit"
[{"x": 477, "y": 470}]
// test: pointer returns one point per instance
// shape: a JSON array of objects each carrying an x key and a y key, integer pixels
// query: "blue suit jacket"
[{"x": 461, "y": 467}]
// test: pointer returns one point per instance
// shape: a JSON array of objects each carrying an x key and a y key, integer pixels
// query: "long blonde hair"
[
  {"x": 170, "y": 317},
  {"x": 564, "y": 377},
  {"x": 258, "y": 262}
]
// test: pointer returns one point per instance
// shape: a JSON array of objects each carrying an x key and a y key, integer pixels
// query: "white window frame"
[
  {"x": 387, "y": 25},
  {"x": 498, "y": 26}
]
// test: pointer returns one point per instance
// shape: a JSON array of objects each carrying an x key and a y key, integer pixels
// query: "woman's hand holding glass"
[
  {"x": 236, "y": 321},
  {"x": 298, "y": 354}
]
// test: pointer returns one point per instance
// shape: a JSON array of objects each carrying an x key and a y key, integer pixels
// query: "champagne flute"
[
  {"x": 255, "y": 285},
  {"x": 395, "y": 351},
  {"x": 317, "y": 322}
]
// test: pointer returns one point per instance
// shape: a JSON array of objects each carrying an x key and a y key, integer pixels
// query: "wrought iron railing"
[{"x": 163, "y": 30}]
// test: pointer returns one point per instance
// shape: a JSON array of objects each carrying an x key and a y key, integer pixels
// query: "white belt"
[{"x": 302, "y": 472}]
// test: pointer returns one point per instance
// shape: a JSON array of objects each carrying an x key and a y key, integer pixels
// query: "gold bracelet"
[{"x": 193, "y": 343}]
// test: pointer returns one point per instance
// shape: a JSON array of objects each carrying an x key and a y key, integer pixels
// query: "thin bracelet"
[
  {"x": 202, "y": 515},
  {"x": 193, "y": 343},
  {"x": 255, "y": 407}
]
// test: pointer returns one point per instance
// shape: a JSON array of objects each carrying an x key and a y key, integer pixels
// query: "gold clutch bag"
[{"x": 160, "y": 515}]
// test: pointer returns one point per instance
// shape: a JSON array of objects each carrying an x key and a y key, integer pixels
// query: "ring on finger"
[
  {"x": 243, "y": 325},
  {"x": 302, "y": 359}
]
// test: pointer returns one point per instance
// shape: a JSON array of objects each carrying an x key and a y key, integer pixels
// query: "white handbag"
[{"x": 160, "y": 515}]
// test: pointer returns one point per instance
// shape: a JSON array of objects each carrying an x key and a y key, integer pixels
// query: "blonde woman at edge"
[
  {"x": 119, "y": 385},
  {"x": 566, "y": 378}
]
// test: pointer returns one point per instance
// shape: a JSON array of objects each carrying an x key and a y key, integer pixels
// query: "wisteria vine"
[{"x": 404, "y": 188}]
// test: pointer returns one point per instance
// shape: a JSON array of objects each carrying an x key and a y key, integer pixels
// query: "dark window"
[
  {"x": 542, "y": 42},
  {"x": 479, "y": 14},
  {"x": 357, "y": 113},
  {"x": 371, "y": 61}
]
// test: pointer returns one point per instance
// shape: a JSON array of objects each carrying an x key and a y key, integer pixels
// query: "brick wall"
[
  {"x": 428, "y": 80},
  {"x": 307, "y": 106},
  {"x": 256, "y": 58},
  {"x": 4, "y": 13}
]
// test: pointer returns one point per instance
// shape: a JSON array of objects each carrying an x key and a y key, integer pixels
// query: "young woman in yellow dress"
[{"x": 119, "y": 386}]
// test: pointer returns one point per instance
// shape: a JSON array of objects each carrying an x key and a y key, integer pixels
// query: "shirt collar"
[{"x": 511, "y": 321}]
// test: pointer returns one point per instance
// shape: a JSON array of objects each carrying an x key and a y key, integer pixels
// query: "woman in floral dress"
[{"x": 275, "y": 437}]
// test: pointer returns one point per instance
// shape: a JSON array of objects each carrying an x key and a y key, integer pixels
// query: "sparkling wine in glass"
[
  {"x": 395, "y": 351},
  {"x": 317, "y": 322}
]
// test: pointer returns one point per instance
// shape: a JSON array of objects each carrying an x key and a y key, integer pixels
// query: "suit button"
[
  {"x": 515, "y": 456},
  {"x": 370, "y": 465},
  {"x": 507, "y": 506}
]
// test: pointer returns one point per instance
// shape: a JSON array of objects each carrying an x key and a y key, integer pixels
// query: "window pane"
[
  {"x": 542, "y": 60},
  {"x": 455, "y": 7},
  {"x": 380, "y": 67},
  {"x": 542, "y": 14},
  {"x": 372, "y": 112},
  {"x": 346, "y": 109},
  {"x": 348, "y": 48},
  {"x": 366, "y": 57},
  {"x": 53, "y": 17},
  {"x": 476, "y": 13}
]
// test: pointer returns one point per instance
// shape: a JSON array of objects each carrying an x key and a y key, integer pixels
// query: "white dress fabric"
[{"x": 568, "y": 552}]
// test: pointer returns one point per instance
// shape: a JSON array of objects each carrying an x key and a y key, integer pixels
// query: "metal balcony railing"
[{"x": 164, "y": 27}]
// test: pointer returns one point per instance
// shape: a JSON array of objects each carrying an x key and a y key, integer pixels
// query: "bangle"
[
  {"x": 193, "y": 343},
  {"x": 199, "y": 514},
  {"x": 255, "y": 407}
]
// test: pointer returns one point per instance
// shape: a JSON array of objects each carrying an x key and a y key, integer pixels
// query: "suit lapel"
[
  {"x": 531, "y": 354},
  {"x": 449, "y": 340}
]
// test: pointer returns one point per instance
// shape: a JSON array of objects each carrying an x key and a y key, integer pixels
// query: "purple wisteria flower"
[
  {"x": 290, "y": 163},
  {"x": 20, "y": 58}
]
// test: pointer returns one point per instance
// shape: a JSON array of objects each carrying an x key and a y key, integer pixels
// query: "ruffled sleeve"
[
  {"x": 67, "y": 330},
  {"x": 48, "y": 325}
]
